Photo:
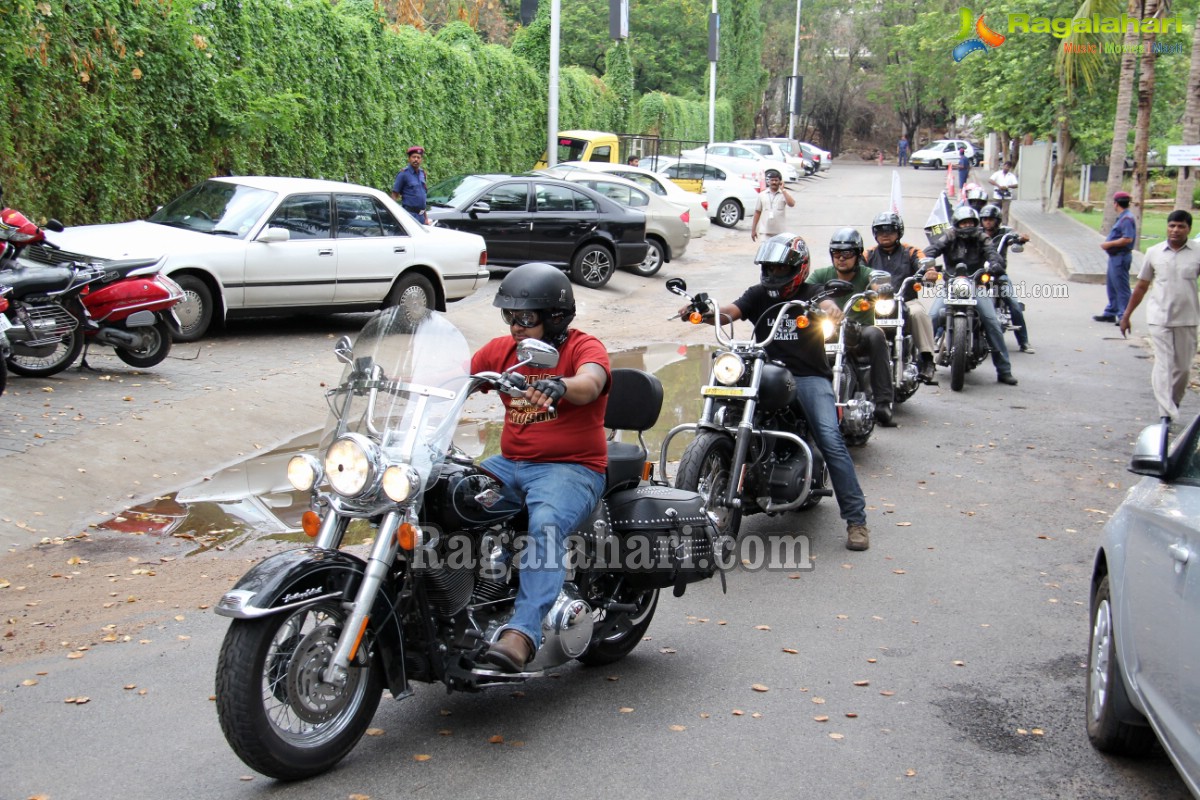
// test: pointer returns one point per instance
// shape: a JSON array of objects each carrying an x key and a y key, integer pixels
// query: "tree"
[
  {"x": 1185, "y": 187},
  {"x": 741, "y": 78}
]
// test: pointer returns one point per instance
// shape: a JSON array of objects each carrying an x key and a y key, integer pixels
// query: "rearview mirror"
[
  {"x": 836, "y": 286},
  {"x": 536, "y": 353},
  {"x": 1150, "y": 451},
  {"x": 677, "y": 285},
  {"x": 272, "y": 235}
]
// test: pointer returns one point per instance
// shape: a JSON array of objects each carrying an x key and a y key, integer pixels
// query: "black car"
[{"x": 525, "y": 218}]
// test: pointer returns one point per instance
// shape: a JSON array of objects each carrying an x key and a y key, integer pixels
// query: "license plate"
[
  {"x": 726, "y": 391},
  {"x": 887, "y": 323},
  {"x": 4, "y": 323},
  {"x": 960, "y": 301}
]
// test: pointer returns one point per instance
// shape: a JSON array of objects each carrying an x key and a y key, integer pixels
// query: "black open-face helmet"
[
  {"x": 991, "y": 212},
  {"x": 539, "y": 287},
  {"x": 784, "y": 261},
  {"x": 887, "y": 222},
  {"x": 844, "y": 239},
  {"x": 964, "y": 213}
]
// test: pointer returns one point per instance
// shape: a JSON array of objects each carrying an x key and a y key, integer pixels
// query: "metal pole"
[
  {"x": 795, "y": 70},
  {"x": 712, "y": 94},
  {"x": 552, "y": 113}
]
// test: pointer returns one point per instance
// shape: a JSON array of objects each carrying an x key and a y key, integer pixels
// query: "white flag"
[
  {"x": 939, "y": 219},
  {"x": 897, "y": 200}
]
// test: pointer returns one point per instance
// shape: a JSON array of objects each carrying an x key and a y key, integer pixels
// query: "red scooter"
[{"x": 55, "y": 311}]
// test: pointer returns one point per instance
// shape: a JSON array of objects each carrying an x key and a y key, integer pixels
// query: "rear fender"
[{"x": 297, "y": 578}]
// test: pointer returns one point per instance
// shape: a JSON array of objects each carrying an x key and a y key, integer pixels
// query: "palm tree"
[
  {"x": 1186, "y": 185},
  {"x": 1120, "y": 140},
  {"x": 1145, "y": 101}
]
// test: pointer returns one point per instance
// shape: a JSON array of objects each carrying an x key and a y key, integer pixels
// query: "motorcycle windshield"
[{"x": 403, "y": 389}]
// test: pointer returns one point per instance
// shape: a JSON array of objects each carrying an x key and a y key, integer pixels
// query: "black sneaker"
[
  {"x": 1104, "y": 318},
  {"x": 1007, "y": 378}
]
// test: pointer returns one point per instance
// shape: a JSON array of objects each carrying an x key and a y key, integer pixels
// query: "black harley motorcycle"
[
  {"x": 891, "y": 315},
  {"x": 317, "y": 633},
  {"x": 964, "y": 343},
  {"x": 851, "y": 372},
  {"x": 753, "y": 452}
]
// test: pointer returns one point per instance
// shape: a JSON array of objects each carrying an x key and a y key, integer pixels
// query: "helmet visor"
[{"x": 772, "y": 251}]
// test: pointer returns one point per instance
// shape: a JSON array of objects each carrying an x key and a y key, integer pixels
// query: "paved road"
[{"x": 967, "y": 618}]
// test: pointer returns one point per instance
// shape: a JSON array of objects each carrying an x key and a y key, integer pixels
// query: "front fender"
[{"x": 297, "y": 578}]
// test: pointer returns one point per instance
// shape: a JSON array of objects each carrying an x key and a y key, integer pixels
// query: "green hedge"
[{"x": 116, "y": 106}]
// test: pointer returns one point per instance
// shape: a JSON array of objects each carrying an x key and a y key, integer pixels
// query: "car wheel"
[
  {"x": 195, "y": 310},
  {"x": 592, "y": 266},
  {"x": 1107, "y": 703},
  {"x": 414, "y": 294},
  {"x": 729, "y": 213},
  {"x": 656, "y": 255},
  {"x": 935, "y": 164}
]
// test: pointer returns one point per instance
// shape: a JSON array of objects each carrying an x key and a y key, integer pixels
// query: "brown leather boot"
[{"x": 511, "y": 652}]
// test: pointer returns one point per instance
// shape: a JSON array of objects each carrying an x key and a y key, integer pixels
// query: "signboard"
[{"x": 1183, "y": 155}]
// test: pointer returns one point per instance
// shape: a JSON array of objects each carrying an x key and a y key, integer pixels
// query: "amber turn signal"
[
  {"x": 695, "y": 317},
  {"x": 311, "y": 523},
  {"x": 406, "y": 536},
  {"x": 802, "y": 322}
]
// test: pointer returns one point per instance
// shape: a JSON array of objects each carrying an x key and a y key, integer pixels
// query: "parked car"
[
  {"x": 667, "y": 230},
  {"x": 1142, "y": 675},
  {"x": 940, "y": 153},
  {"x": 776, "y": 152},
  {"x": 730, "y": 197},
  {"x": 527, "y": 218},
  {"x": 254, "y": 246},
  {"x": 656, "y": 183},
  {"x": 822, "y": 158},
  {"x": 741, "y": 160}
]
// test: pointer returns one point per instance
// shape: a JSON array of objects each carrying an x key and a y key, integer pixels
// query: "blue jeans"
[
  {"x": 991, "y": 330},
  {"x": 1014, "y": 309},
  {"x": 815, "y": 395},
  {"x": 559, "y": 498},
  {"x": 1117, "y": 283}
]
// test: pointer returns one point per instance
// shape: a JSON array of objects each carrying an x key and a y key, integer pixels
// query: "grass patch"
[{"x": 1154, "y": 225}]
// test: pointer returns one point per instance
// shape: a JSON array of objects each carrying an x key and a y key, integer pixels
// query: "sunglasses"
[
  {"x": 844, "y": 254},
  {"x": 524, "y": 319}
]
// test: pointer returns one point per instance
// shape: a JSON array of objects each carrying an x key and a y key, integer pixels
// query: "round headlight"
[
  {"x": 728, "y": 369},
  {"x": 960, "y": 288},
  {"x": 827, "y": 328},
  {"x": 398, "y": 482},
  {"x": 349, "y": 465},
  {"x": 303, "y": 472},
  {"x": 885, "y": 306}
]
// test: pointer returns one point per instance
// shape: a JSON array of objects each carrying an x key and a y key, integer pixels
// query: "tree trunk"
[
  {"x": 1141, "y": 135},
  {"x": 1055, "y": 200},
  {"x": 1120, "y": 141},
  {"x": 1185, "y": 187}
]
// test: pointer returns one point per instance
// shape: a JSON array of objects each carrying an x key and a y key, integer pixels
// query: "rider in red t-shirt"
[{"x": 553, "y": 451}]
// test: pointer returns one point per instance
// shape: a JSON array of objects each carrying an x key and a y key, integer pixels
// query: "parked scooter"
[{"x": 317, "y": 633}]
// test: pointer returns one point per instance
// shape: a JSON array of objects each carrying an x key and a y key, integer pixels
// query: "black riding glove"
[{"x": 553, "y": 388}]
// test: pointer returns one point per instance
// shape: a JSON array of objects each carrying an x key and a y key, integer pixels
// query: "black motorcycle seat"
[
  {"x": 35, "y": 280},
  {"x": 634, "y": 402},
  {"x": 625, "y": 463}
]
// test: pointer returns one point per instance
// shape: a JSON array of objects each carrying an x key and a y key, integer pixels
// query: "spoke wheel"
[
  {"x": 46, "y": 360},
  {"x": 706, "y": 467},
  {"x": 277, "y": 712},
  {"x": 615, "y": 638}
]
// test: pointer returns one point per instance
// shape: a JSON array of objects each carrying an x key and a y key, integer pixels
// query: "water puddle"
[{"x": 253, "y": 501}]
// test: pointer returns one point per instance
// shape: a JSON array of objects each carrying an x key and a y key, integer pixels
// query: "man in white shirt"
[
  {"x": 1004, "y": 181},
  {"x": 771, "y": 207},
  {"x": 1168, "y": 274}
]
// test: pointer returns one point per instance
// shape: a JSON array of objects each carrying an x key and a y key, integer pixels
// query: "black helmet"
[
  {"x": 539, "y": 287},
  {"x": 846, "y": 239},
  {"x": 773, "y": 173},
  {"x": 990, "y": 212},
  {"x": 885, "y": 220},
  {"x": 785, "y": 249},
  {"x": 963, "y": 213}
]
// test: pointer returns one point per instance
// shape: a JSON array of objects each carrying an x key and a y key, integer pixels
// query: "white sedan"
[
  {"x": 261, "y": 246},
  {"x": 695, "y": 202},
  {"x": 730, "y": 197},
  {"x": 741, "y": 160}
]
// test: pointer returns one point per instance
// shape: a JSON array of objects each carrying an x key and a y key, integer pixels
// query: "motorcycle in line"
[
  {"x": 1008, "y": 243},
  {"x": 5, "y": 347},
  {"x": 56, "y": 312},
  {"x": 851, "y": 372},
  {"x": 317, "y": 633},
  {"x": 891, "y": 316},
  {"x": 753, "y": 452},
  {"x": 964, "y": 345}
]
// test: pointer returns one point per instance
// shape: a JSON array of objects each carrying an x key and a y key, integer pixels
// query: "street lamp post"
[
  {"x": 793, "y": 106},
  {"x": 552, "y": 93}
]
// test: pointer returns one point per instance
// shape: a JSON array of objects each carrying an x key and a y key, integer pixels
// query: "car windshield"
[
  {"x": 216, "y": 207},
  {"x": 453, "y": 191}
]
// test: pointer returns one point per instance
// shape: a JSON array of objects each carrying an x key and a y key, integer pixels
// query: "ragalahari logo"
[{"x": 983, "y": 39}]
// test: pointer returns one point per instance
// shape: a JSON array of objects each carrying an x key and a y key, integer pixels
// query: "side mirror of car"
[
  {"x": 479, "y": 207},
  {"x": 272, "y": 235},
  {"x": 1150, "y": 451}
]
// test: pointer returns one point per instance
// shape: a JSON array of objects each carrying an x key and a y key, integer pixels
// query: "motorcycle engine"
[{"x": 781, "y": 478}]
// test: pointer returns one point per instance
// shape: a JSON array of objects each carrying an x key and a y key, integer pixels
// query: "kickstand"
[{"x": 83, "y": 364}]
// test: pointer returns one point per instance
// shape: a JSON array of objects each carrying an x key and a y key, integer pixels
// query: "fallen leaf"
[
  {"x": 29, "y": 682},
  {"x": 872, "y": 660},
  {"x": 679, "y": 727},
  {"x": 887, "y": 693},
  {"x": 1038, "y": 732},
  {"x": 129, "y": 686},
  {"x": 625, "y": 710},
  {"x": 819, "y": 700},
  {"x": 910, "y": 773},
  {"x": 445, "y": 732},
  {"x": 421, "y": 757},
  {"x": 862, "y": 683},
  {"x": 898, "y": 571},
  {"x": 790, "y": 650},
  {"x": 758, "y": 687},
  {"x": 903, "y": 524},
  {"x": 1022, "y": 732},
  {"x": 836, "y": 736},
  {"x": 821, "y": 718},
  {"x": 375, "y": 731},
  {"x": 613, "y": 678},
  {"x": 759, "y": 627},
  {"x": 851, "y": 714},
  {"x": 251, "y": 777},
  {"x": 737, "y": 712},
  {"x": 959, "y": 663},
  {"x": 497, "y": 739},
  {"x": 667, "y": 650},
  {"x": 757, "y": 715},
  {"x": 74, "y": 655}
]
